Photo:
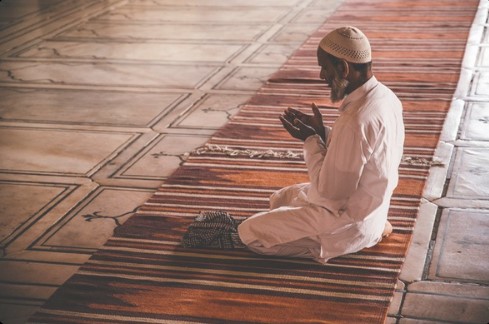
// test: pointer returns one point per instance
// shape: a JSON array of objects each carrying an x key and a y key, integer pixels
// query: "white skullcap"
[{"x": 348, "y": 43}]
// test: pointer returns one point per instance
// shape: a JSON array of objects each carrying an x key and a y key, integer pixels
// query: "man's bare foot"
[{"x": 387, "y": 229}]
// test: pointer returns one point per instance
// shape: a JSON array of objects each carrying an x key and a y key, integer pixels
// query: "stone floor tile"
[
  {"x": 163, "y": 156},
  {"x": 105, "y": 74},
  {"x": 113, "y": 108},
  {"x": 438, "y": 174},
  {"x": 32, "y": 27},
  {"x": 29, "y": 291},
  {"x": 481, "y": 84},
  {"x": 15, "y": 213},
  {"x": 52, "y": 151},
  {"x": 247, "y": 78},
  {"x": 23, "y": 9},
  {"x": 314, "y": 15},
  {"x": 161, "y": 52},
  {"x": 390, "y": 320},
  {"x": 419, "y": 321},
  {"x": 461, "y": 246},
  {"x": 469, "y": 180},
  {"x": 49, "y": 215},
  {"x": 445, "y": 303},
  {"x": 395, "y": 305},
  {"x": 35, "y": 273},
  {"x": 476, "y": 122},
  {"x": 325, "y": 3},
  {"x": 274, "y": 53},
  {"x": 90, "y": 225},
  {"x": 452, "y": 121},
  {"x": 11, "y": 313},
  {"x": 413, "y": 267},
  {"x": 294, "y": 33},
  {"x": 230, "y": 3},
  {"x": 484, "y": 57},
  {"x": 186, "y": 31},
  {"x": 211, "y": 112},
  {"x": 37, "y": 255},
  {"x": 204, "y": 14},
  {"x": 469, "y": 290}
]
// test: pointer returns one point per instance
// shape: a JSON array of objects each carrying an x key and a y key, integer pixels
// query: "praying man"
[{"x": 352, "y": 167}]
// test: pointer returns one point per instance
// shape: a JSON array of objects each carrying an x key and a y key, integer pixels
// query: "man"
[{"x": 352, "y": 168}]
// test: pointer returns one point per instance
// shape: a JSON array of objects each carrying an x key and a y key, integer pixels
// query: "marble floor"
[{"x": 101, "y": 100}]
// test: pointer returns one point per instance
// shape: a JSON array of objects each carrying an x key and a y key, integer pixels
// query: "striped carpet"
[{"x": 142, "y": 275}]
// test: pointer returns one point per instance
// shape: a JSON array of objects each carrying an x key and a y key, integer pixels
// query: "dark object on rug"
[{"x": 213, "y": 229}]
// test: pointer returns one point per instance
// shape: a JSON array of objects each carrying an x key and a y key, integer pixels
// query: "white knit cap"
[{"x": 348, "y": 43}]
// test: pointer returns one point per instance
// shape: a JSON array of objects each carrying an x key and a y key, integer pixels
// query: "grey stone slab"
[
  {"x": 414, "y": 263},
  {"x": 462, "y": 203},
  {"x": 99, "y": 74},
  {"x": 390, "y": 320},
  {"x": 56, "y": 151},
  {"x": 163, "y": 156},
  {"x": 481, "y": 84},
  {"x": 22, "y": 203},
  {"x": 446, "y": 304},
  {"x": 247, "y": 78},
  {"x": 93, "y": 223},
  {"x": 468, "y": 290},
  {"x": 196, "y": 32},
  {"x": 174, "y": 52},
  {"x": 471, "y": 173},
  {"x": 274, "y": 53},
  {"x": 395, "y": 305},
  {"x": 462, "y": 245},
  {"x": 434, "y": 187},
  {"x": 84, "y": 107},
  {"x": 202, "y": 14},
  {"x": 484, "y": 56},
  {"x": 452, "y": 121},
  {"x": 212, "y": 112},
  {"x": 476, "y": 124}
]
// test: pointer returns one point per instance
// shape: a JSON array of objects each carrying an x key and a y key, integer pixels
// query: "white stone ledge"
[{"x": 414, "y": 263}]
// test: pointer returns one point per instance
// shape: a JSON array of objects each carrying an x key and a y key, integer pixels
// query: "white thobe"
[{"x": 343, "y": 208}]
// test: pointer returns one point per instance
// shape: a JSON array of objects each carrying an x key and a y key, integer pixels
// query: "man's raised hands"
[{"x": 301, "y": 125}]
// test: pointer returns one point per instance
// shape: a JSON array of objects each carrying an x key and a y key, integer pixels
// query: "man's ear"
[{"x": 345, "y": 69}]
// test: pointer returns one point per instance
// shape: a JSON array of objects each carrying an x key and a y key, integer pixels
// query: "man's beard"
[{"x": 338, "y": 89}]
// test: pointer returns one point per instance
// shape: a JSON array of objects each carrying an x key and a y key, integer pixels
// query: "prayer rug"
[{"x": 143, "y": 275}]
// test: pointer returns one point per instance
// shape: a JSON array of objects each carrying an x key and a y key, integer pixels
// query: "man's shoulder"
[{"x": 383, "y": 91}]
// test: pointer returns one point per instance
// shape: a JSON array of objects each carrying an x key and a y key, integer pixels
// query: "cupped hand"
[
  {"x": 296, "y": 128},
  {"x": 315, "y": 121}
]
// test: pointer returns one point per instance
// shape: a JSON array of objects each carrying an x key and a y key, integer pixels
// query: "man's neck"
[{"x": 358, "y": 82}]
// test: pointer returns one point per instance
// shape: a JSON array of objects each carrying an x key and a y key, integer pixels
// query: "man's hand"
[
  {"x": 315, "y": 121},
  {"x": 296, "y": 127}
]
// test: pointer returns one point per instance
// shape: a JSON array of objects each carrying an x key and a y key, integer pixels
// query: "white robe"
[{"x": 343, "y": 208}]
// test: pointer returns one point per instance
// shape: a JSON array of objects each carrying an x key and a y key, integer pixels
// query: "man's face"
[{"x": 332, "y": 76}]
